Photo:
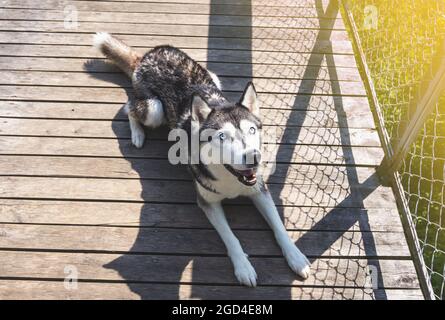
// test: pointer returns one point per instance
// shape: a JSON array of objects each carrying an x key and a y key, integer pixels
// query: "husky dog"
[{"x": 171, "y": 88}]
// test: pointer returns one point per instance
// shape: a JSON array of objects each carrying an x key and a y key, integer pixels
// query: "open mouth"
[{"x": 246, "y": 177}]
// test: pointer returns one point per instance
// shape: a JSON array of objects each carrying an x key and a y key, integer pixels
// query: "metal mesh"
[
  {"x": 399, "y": 39},
  {"x": 423, "y": 179}
]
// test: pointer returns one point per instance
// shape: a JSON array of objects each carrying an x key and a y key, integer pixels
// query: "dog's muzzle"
[{"x": 251, "y": 161}]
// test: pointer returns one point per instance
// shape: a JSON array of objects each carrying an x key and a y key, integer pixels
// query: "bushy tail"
[{"x": 117, "y": 51}]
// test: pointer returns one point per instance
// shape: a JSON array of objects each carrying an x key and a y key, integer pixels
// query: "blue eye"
[
  {"x": 222, "y": 136},
  {"x": 252, "y": 130}
]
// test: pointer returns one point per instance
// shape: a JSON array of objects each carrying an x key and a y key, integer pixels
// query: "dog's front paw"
[
  {"x": 298, "y": 262},
  {"x": 137, "y": 138},
  {"x": 244, "y": 272}
]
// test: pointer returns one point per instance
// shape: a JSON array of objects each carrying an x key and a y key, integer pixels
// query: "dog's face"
[{"x": 231, "y": 135}]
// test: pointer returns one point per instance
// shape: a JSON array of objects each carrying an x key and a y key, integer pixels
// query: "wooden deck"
[{"x": 77, "y": 199}]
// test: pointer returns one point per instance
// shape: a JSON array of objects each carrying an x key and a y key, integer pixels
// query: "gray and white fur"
[{"x": 171, "y": 88}]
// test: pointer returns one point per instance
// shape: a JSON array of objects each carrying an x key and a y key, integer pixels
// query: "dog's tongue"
[{"x": 248, "y": 173}]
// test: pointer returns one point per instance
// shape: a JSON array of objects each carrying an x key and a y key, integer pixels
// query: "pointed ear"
[
  {"x": 249, "y": 99},
  {"x": 200, "y": 108}
]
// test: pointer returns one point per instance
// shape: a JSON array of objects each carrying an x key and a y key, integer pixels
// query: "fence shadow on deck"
[{"x": 295, "y": 111}]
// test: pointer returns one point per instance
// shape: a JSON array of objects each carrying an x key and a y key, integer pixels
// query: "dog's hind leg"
[
  {"x": 244, "y": 271},
  {"x": 136, "y": 128},
  {"x": 137, "y": 132},
  {"x": 295, "y": 259},
  {"x": 148, "y": 112}
]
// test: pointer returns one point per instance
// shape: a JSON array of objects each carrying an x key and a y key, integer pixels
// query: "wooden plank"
[
  {"x": 220, "y": 68},
  {"x": 246, "y": 9},
  {"x": 313, "y": 118},
  {"x": 120, "y": 129},
  {"x": 315, "y": 154},
  {"x": 119, "y": 95},
  {"x": 190, "y": 216},
  {"x": 50, "y": 290},
  {"x": 157, "y": 29},
  {"x": 305, "y": 43},
  {"x": 217, "y": 4},
  {"x": 322, "y": 109},
  {"x": 162, "y": 169},
  {"x": 287, "y": 3},
  {"x": 358, "y": 117},
  {"x": 124, "y": 23},
  {"x": 220, "y": 33},
  {"x": 215, "y": 270},
  {"x": 245, "y": 56},
  {"x": 196, "y": 241},
  {"x": 228, "y": 83},
  {"x": 365, "y": 195},
  {"x": 265, "y": 3}
]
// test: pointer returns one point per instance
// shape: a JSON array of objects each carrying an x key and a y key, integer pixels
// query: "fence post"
[{"x": 430, "y": 94}]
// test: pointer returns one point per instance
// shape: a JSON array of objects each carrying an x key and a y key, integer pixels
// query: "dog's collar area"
[
  {"x": 246, "y": 177},
  {"x": 200, "y": 181}
]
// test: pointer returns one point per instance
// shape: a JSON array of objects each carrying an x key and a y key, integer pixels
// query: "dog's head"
[{"x": 230, "y": 134}]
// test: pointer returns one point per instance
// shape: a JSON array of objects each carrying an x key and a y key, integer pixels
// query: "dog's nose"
[{"x": 252, "y": 158}]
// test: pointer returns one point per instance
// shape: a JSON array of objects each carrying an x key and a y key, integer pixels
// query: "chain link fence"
[{"x": 400, "y": 41}]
